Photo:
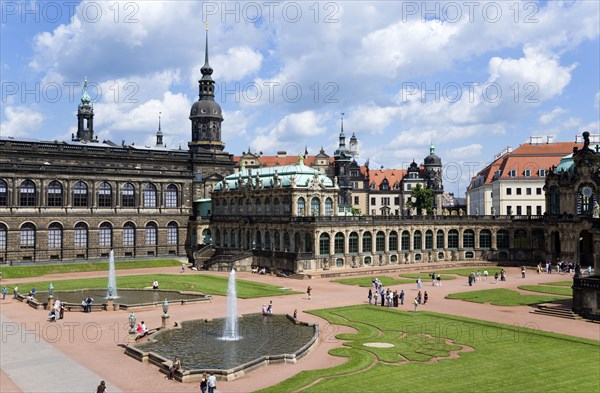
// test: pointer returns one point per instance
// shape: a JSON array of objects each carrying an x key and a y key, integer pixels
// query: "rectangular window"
[
  {"x": 528, "y": 191},
  {"x": 372, "y": 201},
  {"x": 356, "y": 200},
  {"x": 128, "y": 236},
  {"x": 150, "y": 236},
  {"x": 508, "y": 210},
  {"x": 80, "y": 198},
  {"x": 538, "y": 210},
  {"x": 54, "y": 197},
  {"x": 2, "y": 240},
  {"x": 54, "y": 238},
  {"x": 528, "y": 210},
  {"x": 105, "y": 237},
  {"x": 104, "y": 198},
  {"x": 538, "y": 191},
  {"x": 397, "y": 201},
  {"x": 150, "y": 199},
  {"x": 171, "y": 235},
  {"x": 80, "y": 238},
  {"x": 518, "y": 190},
  {"x": 171, "y": 199},
  {"x": 542, "y": 172},
  {"x": 509, "y": 191},
  {"x": 127, "y": 198},
  {"x": 385, "y": 201},
  {"x": 519, "y": 210},
  {"x": 27, "y": 237}
]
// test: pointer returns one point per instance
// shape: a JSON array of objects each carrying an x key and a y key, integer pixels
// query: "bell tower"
[{"x": 85, "y": 118}]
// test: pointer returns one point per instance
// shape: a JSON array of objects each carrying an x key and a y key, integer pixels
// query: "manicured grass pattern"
[
  {"x": 368, "y": 281},
  {"x": 553, "y": 290},
  {"x": 503, "y": 297},
  {"x": 560, "y": 283},
  {"x": 466, "y": 271},
  {"x": 204, "y": 283},
  {"x": 503, "y": 357},
  {"x": 42, "y": 270}
]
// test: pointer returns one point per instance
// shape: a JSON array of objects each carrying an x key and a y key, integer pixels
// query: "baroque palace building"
[{"x": 78, "y": 199}]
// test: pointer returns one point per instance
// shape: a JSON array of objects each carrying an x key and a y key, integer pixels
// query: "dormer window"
[
  {"x": 527, "y": 173},
  {"x": 542, "y": 173},
  {"x": 512, "y": 173}
]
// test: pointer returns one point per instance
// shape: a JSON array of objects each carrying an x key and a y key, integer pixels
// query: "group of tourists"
[
  {"x": 57, "y": 311},
  {"x": 388, "y": 297},
  {"x": 436, "y": 280}
]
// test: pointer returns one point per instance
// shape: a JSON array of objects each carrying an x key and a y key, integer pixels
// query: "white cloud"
[
  {"x": 547, "y": 118},
  {"x": 291, "y": 131},
  {"x": 236, "y": 64},
  {"x": 20, "y": 121},
  {"x": 473, "y": 150}
]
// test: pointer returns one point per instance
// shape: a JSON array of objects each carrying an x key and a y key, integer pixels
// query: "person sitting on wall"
[
  {"x": 174, "y": 367},
  {"x": 262, "y": 271},
  {"x": 254, "y": 269}
]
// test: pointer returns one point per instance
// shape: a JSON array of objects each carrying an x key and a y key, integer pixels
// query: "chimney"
[{"x": 281, "y": 154}]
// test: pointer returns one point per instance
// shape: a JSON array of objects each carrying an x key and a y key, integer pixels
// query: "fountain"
[
  {"x": 230, "y": 333},
  {"x": 228, "y": 347},
  {"x": 111, "y": 292}
]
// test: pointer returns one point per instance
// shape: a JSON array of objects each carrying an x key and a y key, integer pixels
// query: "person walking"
[
  {"x": 212, "y": 383},
  {"x": 4, "y": 291},
  {"x": 375, "y": 297},
  {"x": 101, "y": 388},
  {"x": 370, "y": 296},
  {"x": 485, "y": 274},
  {"x": 402, "y": 297},
  {"x": 203, "y": 384},
  {"x": 15, "y": 291},
  {"x": 439, "y": 280},
  {"x": 425, "y": 297},
  {"x": 522, "y": 271},
  {"x": 416, "y": 303},
  {"x": 308, "y": 291},
  {"x": 419, "y": 282},
  {"x": 496, "y": 277}
]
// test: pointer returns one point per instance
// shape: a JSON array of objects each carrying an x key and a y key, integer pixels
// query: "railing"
[{"x": 587, "y": 282}]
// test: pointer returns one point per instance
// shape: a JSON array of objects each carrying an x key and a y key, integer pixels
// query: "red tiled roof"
[
  {"x": 527, "y": 156},
  {"x": 392, "y": 175}
]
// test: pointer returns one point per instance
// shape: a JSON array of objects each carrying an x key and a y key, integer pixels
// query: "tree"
[{"x": 421, "y": 198}]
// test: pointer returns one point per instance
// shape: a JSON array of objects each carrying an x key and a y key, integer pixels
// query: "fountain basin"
[
  {"x": 128, "y": 299},
  {"x": 264, "y": 340}
]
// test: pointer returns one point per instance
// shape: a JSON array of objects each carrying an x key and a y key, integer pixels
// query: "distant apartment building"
[{"x": 513, "y": 184}]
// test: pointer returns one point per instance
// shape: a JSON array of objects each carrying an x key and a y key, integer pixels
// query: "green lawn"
[
  {"x": 466, "y": 271},
  {"x": 491, "y": 357},
  {"x": 553, "y": 290},
  {"x": 205, "y": 283},
  {"x": 560, "y": 283},
  {"x": 425, "y": 276},
  {"x": 368, "y": 281},
  {"x": 503, "y": 297},
  {"x": 42, "y": 270}
]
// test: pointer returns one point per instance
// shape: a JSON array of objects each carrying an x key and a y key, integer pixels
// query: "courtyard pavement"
[{"x": 74, "y": 354}]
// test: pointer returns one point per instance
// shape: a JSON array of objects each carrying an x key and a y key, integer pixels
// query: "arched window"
[
  {"x": 338, "y": 243},
  {"x": 585, "y": 199},
  {"x": 27, "y": 235},
  {"x": 241, "y": 205},
  {"x": 393, "y": 241},
  {"x": 453, "y": 238},
  {"x": 287, "y": 205},
  {"x": 206, "y": 236},
  {"x": 218, "y": 237},
  {"x": 353, "y": 243},
  {"x": 308, "y": 243},
  {"x": 3, "y": 237},
  {"x": 315, "y": 206},
  {"x": 380, "y": 242},
  {"x": 502, "y": 239},
  {"x": 225, "y": 238},
  {"x": 171, "y": 198},
  {"x": 173, "y": 233},
  {"x": 439, "y": 239},
  {"x": 128, "y": 195},
  {"x": 298, "y": 242},
  {"x": 151, "y": 234},
  {"x": 429, "y": 239},
  {"x": 538, "y": 239},
  {"x": 55, "y": 231},
  {"x": 521, "y": 239},
  {"x": 258, "y": 241},
  {"x": 217, "y": 207},
  {"x": 286, "y": 241},
  {"x": 249, "y": 206},
  {"x": 485, "y": 239},
  {"x": 301, "y": 206},
  {"x": 405, "y": 241},
  {"x": 80, "y": 235},
  {"x": 328, "y": 207},
  {"x": 104, "y": 194},
  {"x": 267, "y": 206},
  {"x": 554, "y": 200},
  {"x": 468, "y": 238},
  {"x": 105, "y": 235},
  {"x": 258, "y": 206},
  {"x": 80, "y": 194},
  {"x": 27, "y": 193},
  {"x": 267, "y": 240},
  {"x": 128, "y": 234},
  {"x": 324, "y": 244},
  {"x": 232, "y": 242},
  {"x": 276, "y": 207},
  {"x": 417, "y": 240},
  {"x": 3, "y": 193},
  {"x": 277, "y": 241},
  {"x": 149, "y": 195},
  {"x": 55, "y": 194},
  {"x": 367, "y": 242}
]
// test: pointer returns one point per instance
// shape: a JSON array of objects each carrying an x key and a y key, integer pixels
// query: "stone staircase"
[{"x": 556, "y": 311}]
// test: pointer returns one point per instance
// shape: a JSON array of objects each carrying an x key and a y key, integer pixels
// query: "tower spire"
[{"x": 159, "y": 134}]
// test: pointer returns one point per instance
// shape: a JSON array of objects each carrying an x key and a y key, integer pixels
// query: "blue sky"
[{"x": 473, "y": 77}]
